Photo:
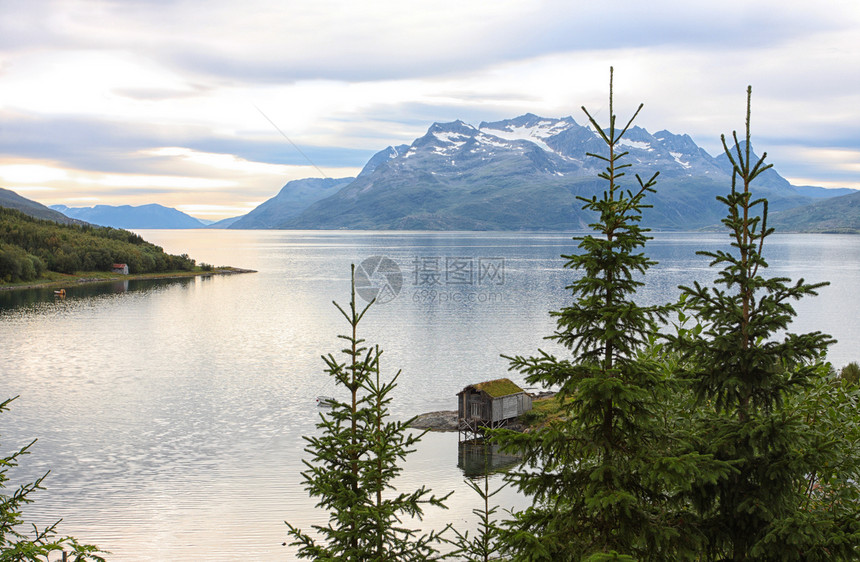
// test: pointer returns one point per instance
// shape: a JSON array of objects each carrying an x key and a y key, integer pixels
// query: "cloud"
[
  {"x": 151, "y": 89},
  {"x": 264, "y": 41},
  {"x": 175, "y": 176},
  {"x": 159, "y": 94},
  {"x": 81, "y": 142},
  {"x": 116, "y": 146},
  {"x": 842, "y": 166}
]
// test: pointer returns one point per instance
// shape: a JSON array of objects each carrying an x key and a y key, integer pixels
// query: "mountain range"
[
  {"x": 526, "y": 173},
  {"x": 516, "y": 174},
  {"x": 127, "y": 216}
]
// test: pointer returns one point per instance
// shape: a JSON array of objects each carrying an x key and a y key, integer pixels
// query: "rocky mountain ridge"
[{"x": 526, "y": 174}]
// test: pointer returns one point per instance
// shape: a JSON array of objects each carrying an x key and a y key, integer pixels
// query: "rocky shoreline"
[
  {"x": 446, "y": 420},
  {"x": 443, "y": 420}
]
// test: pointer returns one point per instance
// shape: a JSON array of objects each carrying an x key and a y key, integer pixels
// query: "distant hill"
[
  {"x": 294, "y": 197},
  {"x": 822, "y": 192},
  {"x": 525, "y": 174},
  {"x": 224, "y": 223},
  {"x": 128, "y": 216},
  {"x": 12, "y": 200},
  {"x": 834, "y": 215}
]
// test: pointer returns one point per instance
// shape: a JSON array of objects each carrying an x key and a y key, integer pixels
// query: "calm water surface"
[{"x": 171, "y": 413}]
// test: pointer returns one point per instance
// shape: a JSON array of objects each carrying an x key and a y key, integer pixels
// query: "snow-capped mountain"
[{"x": 526, "y": 173}]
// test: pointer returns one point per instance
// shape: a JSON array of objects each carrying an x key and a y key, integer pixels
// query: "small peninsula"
[{"x": 36, "y": 253}]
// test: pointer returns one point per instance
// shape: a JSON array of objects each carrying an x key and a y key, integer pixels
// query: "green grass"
[
  {"x": 498, "y": 387},
  {"x": 544, "y": 412}
]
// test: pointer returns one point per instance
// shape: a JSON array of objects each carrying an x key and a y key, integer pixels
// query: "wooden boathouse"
[{"x": 490, "y": 404}]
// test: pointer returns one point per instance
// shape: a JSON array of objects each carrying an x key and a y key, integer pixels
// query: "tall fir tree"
[
  {"x": 754, "y": 383},
  {"x": 354, "y": 462},
  {"x": 602, "y": 477}
]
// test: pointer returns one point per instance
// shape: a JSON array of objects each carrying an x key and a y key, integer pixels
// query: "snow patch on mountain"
[
  {"x": 494, "y": 141},
  {"x": 526, "y": 135},
  {"x": 536, "y": 133},
  {"x": 528, "y": 128},
  {"x": 457, "y": 139},
  {"x": 677, "y": 157},
  {"x": 641, "y": 145}
]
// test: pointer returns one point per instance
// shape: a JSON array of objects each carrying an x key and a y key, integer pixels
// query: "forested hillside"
[{"x": 31, "y": 247}]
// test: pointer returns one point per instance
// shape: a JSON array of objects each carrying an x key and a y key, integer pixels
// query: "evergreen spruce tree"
[
  {"x": 18, "y": 541},
  {"x": 354, "y": 462},
  {"x": 602, "y": 478},
  {"x": 766, "y": 404}
]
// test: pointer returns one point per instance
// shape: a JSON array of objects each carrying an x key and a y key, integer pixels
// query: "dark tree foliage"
[
  {"x": 17, "y": 265},
  {"x": 850, "y": 374},
  {"x": 766, "y": 403},
  {"x": 29, "y": 247},
  {"x": 604, "y": 477},
  {"x": 353, "y": 463},
  {"x": 19, "y": 541}
]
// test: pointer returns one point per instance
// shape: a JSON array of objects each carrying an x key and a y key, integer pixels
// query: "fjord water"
[{"x": 171, "y": 413}]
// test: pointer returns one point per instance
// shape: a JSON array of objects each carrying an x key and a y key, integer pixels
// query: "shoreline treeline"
[{"x": 31, "y": 247}]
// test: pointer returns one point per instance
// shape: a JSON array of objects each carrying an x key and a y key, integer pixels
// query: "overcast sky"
[{"x": 159, "y": 101}]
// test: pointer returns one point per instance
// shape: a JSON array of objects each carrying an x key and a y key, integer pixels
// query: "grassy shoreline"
[{"x": 60, "y": 280}]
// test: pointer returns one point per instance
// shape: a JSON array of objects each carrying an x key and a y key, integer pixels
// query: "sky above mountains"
[{"x": 210, "y": 107}]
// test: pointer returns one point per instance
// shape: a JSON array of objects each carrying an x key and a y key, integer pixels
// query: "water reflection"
[
  {"x": 477, "y": 457},
  {"x": 24, "y": 298}
]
